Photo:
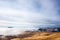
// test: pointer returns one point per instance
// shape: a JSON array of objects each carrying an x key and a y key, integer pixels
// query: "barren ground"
[{"x": 42, "y": 36}]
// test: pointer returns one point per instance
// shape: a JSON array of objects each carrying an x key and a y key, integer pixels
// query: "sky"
[{"x": 28, "y": 14}]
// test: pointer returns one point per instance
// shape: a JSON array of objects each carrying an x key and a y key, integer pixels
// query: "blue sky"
[{"x": 29, "y": 14}]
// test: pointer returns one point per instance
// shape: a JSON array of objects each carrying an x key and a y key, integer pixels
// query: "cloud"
[
  {"x": 28, "y": 14},
  {"x": 28, "y": 11}
]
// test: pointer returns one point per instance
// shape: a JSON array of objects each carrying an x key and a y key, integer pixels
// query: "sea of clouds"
[{"x": 25, "y": 15}]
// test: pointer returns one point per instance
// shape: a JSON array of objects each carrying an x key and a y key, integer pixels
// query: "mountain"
[
  {"x": 49, "y": 29},
  {"x": 40, "y": 34}
]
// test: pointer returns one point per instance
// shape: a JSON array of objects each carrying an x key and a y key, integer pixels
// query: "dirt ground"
[{"x": 42, "y": 36}]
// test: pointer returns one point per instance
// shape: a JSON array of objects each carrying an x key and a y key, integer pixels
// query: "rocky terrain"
[
  {"x": 41, "y": 34},
  {"x": 34, "y": 36}
]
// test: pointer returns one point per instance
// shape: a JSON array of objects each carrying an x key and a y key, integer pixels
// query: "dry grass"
[{"x": 42, "y": 36}]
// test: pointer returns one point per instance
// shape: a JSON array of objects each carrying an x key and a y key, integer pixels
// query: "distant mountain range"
[{"x": 55, "y": 29}]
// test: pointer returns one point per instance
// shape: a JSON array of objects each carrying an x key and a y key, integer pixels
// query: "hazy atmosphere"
[{"x": 25, "y": 15}]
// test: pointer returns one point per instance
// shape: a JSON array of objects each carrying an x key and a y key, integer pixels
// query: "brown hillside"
[{"x": 41, "y": 36}]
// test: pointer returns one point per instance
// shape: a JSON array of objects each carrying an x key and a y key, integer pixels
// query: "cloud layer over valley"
[{"x": 28, "y": 14}]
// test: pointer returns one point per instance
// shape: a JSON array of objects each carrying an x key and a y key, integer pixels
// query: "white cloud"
[
  {"x": 24, "y": 17},
  {"x": 47, "y": 12}
]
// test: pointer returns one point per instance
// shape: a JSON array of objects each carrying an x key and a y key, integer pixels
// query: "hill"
[{"x": 41, "y": 36}]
